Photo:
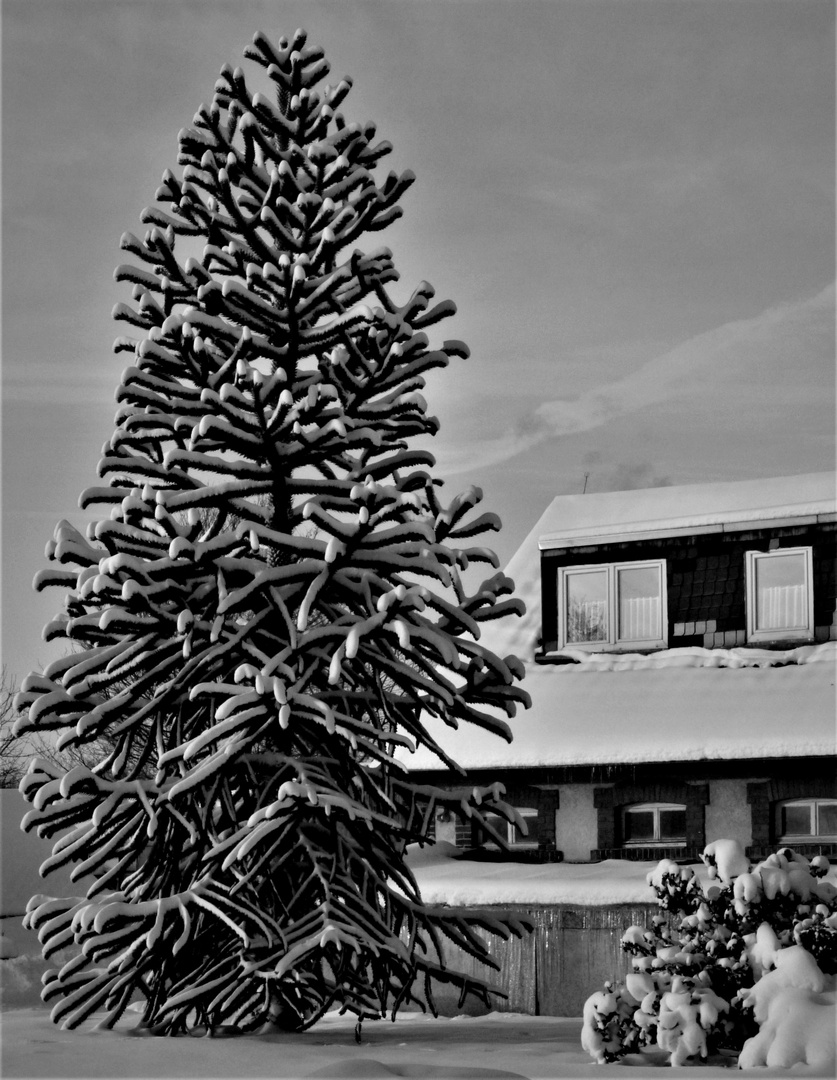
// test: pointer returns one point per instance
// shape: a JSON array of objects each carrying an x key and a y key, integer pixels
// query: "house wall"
[
  {"x": 575, "y": 822},
  {"x": 445, "y": 829},
  {"x": 728, "y": 814}
]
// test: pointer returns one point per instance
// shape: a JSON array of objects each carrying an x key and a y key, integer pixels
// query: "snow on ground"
[
  {"x": 480, "y": 1048},
  {"x": 445, "y": 879},
  {"x": 496, "y": 1045}
]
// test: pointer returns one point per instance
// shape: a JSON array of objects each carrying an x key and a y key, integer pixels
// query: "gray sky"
[{"x": 630, "y": 201}]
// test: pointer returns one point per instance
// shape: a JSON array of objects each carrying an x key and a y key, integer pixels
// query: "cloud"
[
  {"x": 782, "y": 351},
  {"x": 626, "y": 476}
]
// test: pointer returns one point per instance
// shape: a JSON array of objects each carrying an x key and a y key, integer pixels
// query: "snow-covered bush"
[
  {"x": 696, "y": 988},
  {"x": 271, "y": 605},
  {"x": 794, "y": 1008}
]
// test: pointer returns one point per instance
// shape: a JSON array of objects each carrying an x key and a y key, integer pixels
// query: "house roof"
[
  {"x": 683, "y": 704},
  {"x": 670, "y": 707},
  {"x": 571, "y": 520}
]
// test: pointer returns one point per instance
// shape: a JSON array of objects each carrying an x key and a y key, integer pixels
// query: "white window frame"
[
  {"x": 814, "y": 835},
  {"x": 798, "y": 633},
  {"x": 657, "y": 841},
  {"x": 613, "y": 642}
]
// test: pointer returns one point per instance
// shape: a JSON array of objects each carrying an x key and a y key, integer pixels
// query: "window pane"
[
  {"x": 796, "y": 820},
  {"x": 587, "y": 606},
  {"x": 781, "y": 596},
  {"x": 499, "y": 824},
  {"x": 531, "y": 819},
  {"x": 639, "y": 825},
  {"x": 672, "y": 824},
  {"x": 827, "y": 813},
  {"x": 638, "y": 591}
]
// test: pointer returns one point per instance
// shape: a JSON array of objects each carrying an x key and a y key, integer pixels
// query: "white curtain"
[
  {"x": 782, "y": 606},
  {"x": 639, "y": 618}
]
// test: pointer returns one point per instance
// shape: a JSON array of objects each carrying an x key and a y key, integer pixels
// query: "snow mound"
[
  {"x": 370, "y": 1069},
  {"x": 696, "y": 656},
  {"x": 796, "y": 1006},
  {"x": 20, "y": 983},
  {"x": 725, "y": 859}
]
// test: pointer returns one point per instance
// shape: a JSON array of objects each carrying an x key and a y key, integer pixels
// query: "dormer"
[{"x": 720, "y": 566}]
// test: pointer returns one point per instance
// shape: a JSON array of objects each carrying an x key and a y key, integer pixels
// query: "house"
[{"x": 680, "y": 646}]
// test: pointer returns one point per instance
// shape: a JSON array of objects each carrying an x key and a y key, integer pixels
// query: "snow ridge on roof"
[
  {"x": 694, "y": 506},
  {"x": 697, "y": 656}
]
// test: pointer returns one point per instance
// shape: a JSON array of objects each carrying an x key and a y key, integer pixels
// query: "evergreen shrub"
[{"x": 692, "y": 969}]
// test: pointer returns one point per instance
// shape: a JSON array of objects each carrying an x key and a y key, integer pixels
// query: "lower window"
[
  {"x": 654, "y": 823},
  {"x": 805, "y": 819},
  {"x": 515, "y": 836}
]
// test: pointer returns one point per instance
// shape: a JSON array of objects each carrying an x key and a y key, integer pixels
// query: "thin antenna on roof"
[{"x": 584, "y": 489}]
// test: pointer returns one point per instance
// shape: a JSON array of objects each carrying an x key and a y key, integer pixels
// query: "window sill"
[
  {"x": 781, "y": 638},
  {"x": 797, "y": 841},
  {"x": 649, "y": 853},
  {"x": 808, "y": 848},
  {"x": 654, "y": 844},
  {"x": 614, "y": 646}
]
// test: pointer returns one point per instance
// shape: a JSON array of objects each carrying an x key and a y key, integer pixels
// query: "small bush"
[{"x": 689, "y": 991}]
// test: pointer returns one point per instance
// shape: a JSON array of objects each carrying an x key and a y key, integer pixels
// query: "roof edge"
[{"x": 807, "y": 513}]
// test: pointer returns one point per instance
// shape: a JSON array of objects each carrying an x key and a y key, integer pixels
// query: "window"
[
  {"x": 514, "y": 836},
  {"x": 612, "y": 606},
  {"x": 807, "y": 818},
  {"x": 654, "y": 823},
  {"x": 779, "y": 595}
]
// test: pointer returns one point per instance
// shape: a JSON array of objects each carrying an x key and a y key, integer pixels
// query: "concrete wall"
[
  {"x": 576, "y": 822},
  {"x": 728, "y": 814},
  {"x": 552, "y": 971}
]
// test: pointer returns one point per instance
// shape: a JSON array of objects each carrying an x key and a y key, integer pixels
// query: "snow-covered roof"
[
  {"x": 673, "y": 705},
  {"x": 575, "y": 519},
  {"x": 655, "y": 708}
]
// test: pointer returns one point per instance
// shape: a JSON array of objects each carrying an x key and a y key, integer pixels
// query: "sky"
[{"x": 631, "y": 203}]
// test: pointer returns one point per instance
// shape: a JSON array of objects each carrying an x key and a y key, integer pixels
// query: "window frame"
[
  {"x": 658, "y": 840},
  {"x": 799, "y": 633},
  {"x": 813, "y": 803},
  {"x": 612, "y": 642}
]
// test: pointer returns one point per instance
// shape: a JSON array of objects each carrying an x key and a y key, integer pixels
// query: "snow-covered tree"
[
  {"x": 13, "y": 754},
  {"x": 274, "y": 604}
]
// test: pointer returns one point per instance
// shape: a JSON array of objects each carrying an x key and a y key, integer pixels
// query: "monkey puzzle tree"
[{"x": 274, "y": 604}]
